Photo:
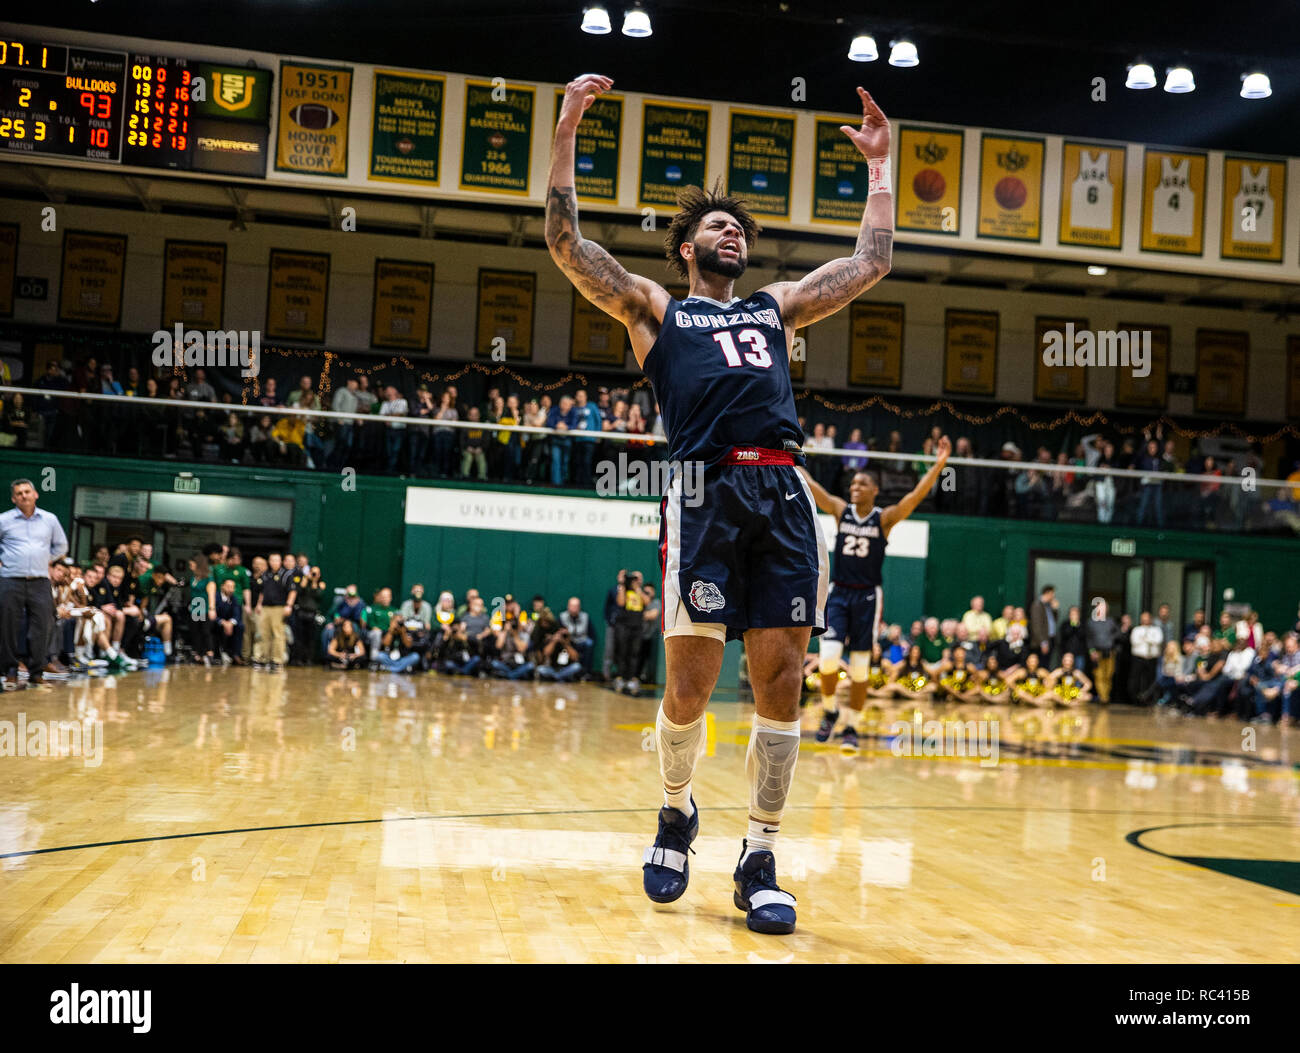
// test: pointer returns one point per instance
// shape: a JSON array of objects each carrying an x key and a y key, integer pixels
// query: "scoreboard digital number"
[
  {"x": 158, "y": 113},
  {"x": 56, "y": 99}
]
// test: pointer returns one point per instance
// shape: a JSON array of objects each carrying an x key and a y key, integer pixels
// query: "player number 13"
[{"x": 758, "y": 354}]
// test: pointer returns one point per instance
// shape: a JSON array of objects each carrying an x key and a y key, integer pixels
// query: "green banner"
[
  {"x": 233, "y": 93},
  {"x": 498, "y": 137},
  {"x": 839, "y": 176},
  {"x": 406, "y": 128},
  {"x": 674, "y": 142},
  {"x": 595, "y": 160},
  {"x": 759, "y": 159}
]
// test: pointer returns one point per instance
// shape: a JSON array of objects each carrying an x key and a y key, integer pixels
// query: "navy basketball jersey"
[
  {"x": 859, "y": 549},
  {"x": 722, "y": 377}
]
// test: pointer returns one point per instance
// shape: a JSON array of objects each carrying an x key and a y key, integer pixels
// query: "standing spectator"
[
  {"x": 1123, "y": 660},
  {"x": 31, "y": 540},
  {"x": 1102, "y": 634},
  {"x": 394, "y": 405},
  {"x": 274, "y": 605},
  {"x": 538, "y": 445},
  {"x": 1042, "y": 623},
  {"x": 232, "y": 438},
  {"x": 511, "y": 442},
  {"x": 611, "y": 618},
  {"x": 651, "y": 620},
  {"x": 311, "y": 441},
  {"x": 309, "y": 589},
  {"x": 586, "y": 420},
  {"x": 421, "y": 436},
  {"x": 1145, "y": 643},
  {"x": 1165, "y": 622},
  {"x": 344, "y": 401},
  {"x": 1152, "y": 490},
  {"x": 628, "y": 622},
  {"x": 562, "y": 419},
  {"x": 370, "y": 436},
  {"x": 50, "y": 409},
  {"x": 304, "y": 390},
  {"x": 977, "y": 618},
  {"x": 444, "y": 439},
  {"x": 1074, "y": 638}
]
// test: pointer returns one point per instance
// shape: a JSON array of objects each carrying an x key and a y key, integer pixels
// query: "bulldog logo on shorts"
[{"x": 705, "y": 596}]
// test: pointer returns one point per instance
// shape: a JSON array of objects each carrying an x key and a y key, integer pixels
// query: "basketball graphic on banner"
[
  {"x": 1010, "y": 192},
  {"x": 929, "y": 185}
]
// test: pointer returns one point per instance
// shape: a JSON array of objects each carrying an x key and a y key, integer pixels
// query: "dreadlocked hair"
[{"x": 693, "y": 204}]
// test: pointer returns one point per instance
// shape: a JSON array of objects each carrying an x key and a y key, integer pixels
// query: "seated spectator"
[
  {"x": 1013, "y": 650},
  {"x": 289, "y": 435},
  {"x": 230, "y": 623},
  {"x": 232, "y": 438},
  {"x": 416, "y": 608},
  {"x": 932, "y": 643},
  {"x": 512, "y": 646},
  {"x": 346, "y": 649},
  {"x": 108, "y": 598},
  {"x": 578, "y": 625},
  {"x": 380, "y": 620},
  {"x": 403, "y": 647},
  {"x": 473, "y": 448},
  {"x": 153, "y": 586},
  {"x": 14, "y": 422},
  {"x": 1209, "y": 674},
  {"x": 1276, "y": 685},
  {"x": 560, "y": 660}
]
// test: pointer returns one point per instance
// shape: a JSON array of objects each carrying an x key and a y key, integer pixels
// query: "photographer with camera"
[
  {"x": 560, "y": 659},
  {"x": 628, "y": 620},
  {"x": 307, "y": 618},
  {"x": 512, "y": 645}
]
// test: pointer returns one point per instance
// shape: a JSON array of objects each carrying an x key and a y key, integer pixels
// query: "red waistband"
[{"x": 756, "y": 455}]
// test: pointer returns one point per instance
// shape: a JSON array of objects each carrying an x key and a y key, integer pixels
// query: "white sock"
[
  {"x": 167, "y": 647},
  {"x": 111, "y": 652},
  {"x": 769, "y": 762},
  {"x": 679, "y": 748}
]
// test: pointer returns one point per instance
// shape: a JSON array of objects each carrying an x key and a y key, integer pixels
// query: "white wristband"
[{"x": 878, "y": 179}]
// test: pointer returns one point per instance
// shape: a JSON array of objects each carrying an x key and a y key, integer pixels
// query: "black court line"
[{"x": 617, "y": 811}]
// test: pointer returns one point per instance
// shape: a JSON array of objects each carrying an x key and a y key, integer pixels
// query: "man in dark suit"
[{"x": 1043, "y": 618}]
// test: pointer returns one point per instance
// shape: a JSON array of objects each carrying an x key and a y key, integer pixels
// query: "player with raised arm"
[
  {"x": 748, "y": 561},
  {"x": 854, "y": 606}
]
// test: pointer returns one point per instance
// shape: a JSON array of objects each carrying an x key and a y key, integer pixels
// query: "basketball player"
[
  {"x": 855, "y": 604},
  {"x": 748, "y": 560}
]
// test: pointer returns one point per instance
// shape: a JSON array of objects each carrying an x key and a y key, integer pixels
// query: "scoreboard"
[{"x": 116, "y": 107}]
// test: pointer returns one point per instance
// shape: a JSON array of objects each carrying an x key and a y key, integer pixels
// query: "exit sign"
[
  {"x": 1120, "y": 546},
  {"x": 186, "y": 484}
]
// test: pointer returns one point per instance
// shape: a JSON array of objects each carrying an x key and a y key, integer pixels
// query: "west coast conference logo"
[
  {"x": 705, "y": 596},
  {"x": 233, "y": 91}
]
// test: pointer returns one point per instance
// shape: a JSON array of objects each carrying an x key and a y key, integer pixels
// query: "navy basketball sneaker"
[
  {"x": 827, "y": 725},
  {"x": 666, "y": 871},
  {"x": 767, "y": 907}
]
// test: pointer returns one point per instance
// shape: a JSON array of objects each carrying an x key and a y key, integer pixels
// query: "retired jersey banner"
[
  {"x": 595, "y": 337},
  {"x": 1173, "y": 202},
  {"x": 312, "y": 132},
  {"x": 194, "y": 284},
  {"x": 1057, "y": 375},
  {"x": 406, "y": 128},
  {"x": 94, "y": 266},
  {"x": 1221, "y": 365},
  {"x": 297, "y": 295},
  {"x": 1011, "y": 188},
  {"x": 8, "y": 267},
  {"x": 760, "y": 153},
  {"x": 970, "y": 352},
  {"x": 1152, "y": 390},
  {"x": 928, "y": 192},
  {"x": 1293, "y": 377},
  {"x": 876, "y": 345},
  {"x": 1092, "y": 195},
  {"x": 674, "y": 144},
  {"x": 1254, "y": 209},
  {"x": 403, "y": 304},
  {"x": 498, "y": 137},
  {"x": 839, "y": 175},
  {"x": 505, "y": 314},
  {"x": 596, "y": 148}
]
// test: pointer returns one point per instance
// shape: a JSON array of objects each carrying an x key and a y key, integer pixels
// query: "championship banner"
[
  {"x": 498, "y": 137},
  {"x": 797, "y": 364},
  {"x": 929, "y": 180},
  {"x": 506, "y": 300},
  {"x": 596, "y": 148},
  {"x": 876, "y": 345},
  {"x": 312, "y": 131},
  {"x": 595, "y": 337},
  {"x": 297, "y": 295},
  {"x": 1173, "y": 202},
  {"x": 8, "y": 267},
  {"x": 406, "y": 128},
  {"x": 970, "y": 352},
  {"x": 403, "y": 304},
  {"x": 94, "y": 266},
  {"x": 1221, "y": 364},
  {"x": 1011, "y": 188},
  {"x": 1293, "y": 377},
  {"x": 839, "y": 175},
  {"x": 1254, "y": 209},
  {"x": 1092, "y": 195},
  {"x": 194, "y": 284},
  {"x": 1056, "y": 377},
  {"x": 760, "y": 153},
  {"x": 1152, "y": 390},
  {"x": 674, "y": 144}
]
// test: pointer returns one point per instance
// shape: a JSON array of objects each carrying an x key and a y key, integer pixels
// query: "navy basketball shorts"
[
  {"x": 853, "y": 616},
  {"x": 745, "y": 552}
]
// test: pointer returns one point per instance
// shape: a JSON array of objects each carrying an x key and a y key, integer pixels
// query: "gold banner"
[
  {"x": 1254, "y": 209},
  {"x": 8, "y": 267},
  {"x": 1057, "y": 377},
  {"x": 970, "y": 352},
  {"x": 194, "y": 284},
  {"x": 506, "y": 300},
  {"x": 1152, "y": 390},
  {"x": 928, "y": 191},
  {"x": 596, "y": 338},
  {"x": 799, "y": 355},
  {"x": 297, "y": 295},
  {"x": 402, "y": 306},
  {"x": 876, "y": 345},
  {"x": 312, "y": 130},
  {"x": 94, "y": 266},
  {"x": 1173, "y": 203},
  {"x": 1092, "y": 195},
  {"x": 1011, "y": 188},
  {"x": 1221, "y": 366}
]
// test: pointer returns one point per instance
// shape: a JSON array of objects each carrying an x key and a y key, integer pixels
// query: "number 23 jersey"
[{"x": 859, "y": 549}]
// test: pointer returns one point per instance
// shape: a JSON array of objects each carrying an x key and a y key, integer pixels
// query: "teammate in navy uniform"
[
  {"x": 855, "y": 603},
  {"x": 748, "y": 560}
]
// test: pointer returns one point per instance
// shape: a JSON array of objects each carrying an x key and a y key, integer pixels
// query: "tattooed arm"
[
  {"x": 635, "y": 301},
  {"x": 830, "y": 287}
]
